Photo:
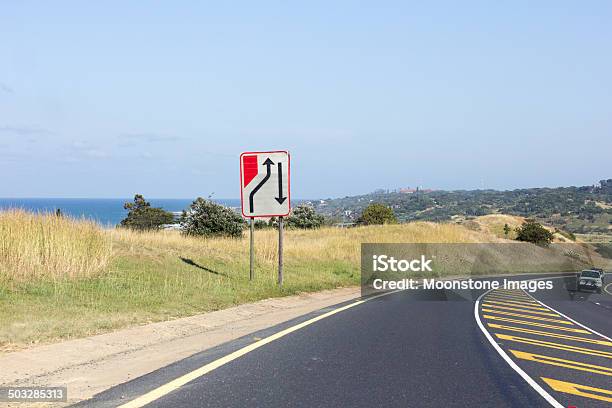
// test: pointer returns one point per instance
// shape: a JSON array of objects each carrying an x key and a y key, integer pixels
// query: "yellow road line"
[
  {"x": 199, "y": 372},
  {"x": 549, "y": 334},
  {"x": 546, "y": 326},
  {"x": 519, "y": 310},
  {"x": 518, "y": 302},
  {"x": 543, "y": 319},
  {"x": 510, "y": 296},
  {"x": 515, "y": 305},
  {"x": 557, "y": 346},
  {"x": 606, "y": 288},
  {"x": 559, "y": 362},
  {"x": 580, "y": 390}
]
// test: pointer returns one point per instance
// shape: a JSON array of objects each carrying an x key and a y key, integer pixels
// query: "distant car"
[
  {"x": 590, "y": 280},
  {"x": 601, "y": 273}
]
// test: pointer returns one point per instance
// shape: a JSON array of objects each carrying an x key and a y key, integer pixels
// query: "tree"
[
  {"x": 206, "y": 218},
  {"x": 507, "y": 230},
  {"x": 142, "y": 216},
  {"x": 377, "y": 214},
  {"x": 304, "y": 217},
  {"x": 534, "y": 232}
]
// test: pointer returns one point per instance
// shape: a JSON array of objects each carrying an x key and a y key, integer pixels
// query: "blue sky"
[{"x": 108, "y": 99}]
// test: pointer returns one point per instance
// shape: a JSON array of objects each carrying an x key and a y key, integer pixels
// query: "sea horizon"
[{"x": 106, "y": 211}]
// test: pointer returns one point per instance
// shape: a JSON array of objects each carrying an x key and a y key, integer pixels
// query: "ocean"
[{"x": 106, "y": 211}]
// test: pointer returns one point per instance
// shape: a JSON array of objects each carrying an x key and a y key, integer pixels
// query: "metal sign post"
[
  {"x": 252, "y": 250},
  {"x": 280, "y": 251},
  {"x": 265, "y": 192}
]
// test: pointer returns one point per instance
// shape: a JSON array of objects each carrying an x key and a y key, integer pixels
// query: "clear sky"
[{"x": 106, "y": 99}]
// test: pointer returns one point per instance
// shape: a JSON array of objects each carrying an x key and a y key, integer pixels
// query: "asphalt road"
[{"x": 404, "y": 349}]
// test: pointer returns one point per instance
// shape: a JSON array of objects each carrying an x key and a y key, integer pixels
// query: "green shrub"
[
  {"x": 377, "y": 214},
  {"x": 304, "y": 217},
  {"x": 534, "y": 232},
  {"x": 206, "y": 218},
  {"x": 142, "y": 216}
]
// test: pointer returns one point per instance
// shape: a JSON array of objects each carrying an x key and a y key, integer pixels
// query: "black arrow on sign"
[
  {"x": 268, "y": 163},
  {"x": 280, "y": 197}
]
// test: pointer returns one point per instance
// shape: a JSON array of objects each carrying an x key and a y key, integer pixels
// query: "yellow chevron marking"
[
  {"x": 574, "y": 365},
  {"x": 557, "y": 346},
  {"x": 580, "y": 390},
  {"x": 549, "y": 334},
  {"x": 544, "y": 319},
  {"x": 516, "y": 305},
  {"x": 519, "y": 310},
  {"x": 546, "y": 326}
]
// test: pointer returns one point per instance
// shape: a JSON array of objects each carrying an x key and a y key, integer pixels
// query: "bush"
[
  {"x": 209, "y": 219},
  {"x": 304, "y": 217},
  {"x": 534, "y": 232},
  {"x": 144, "y": 217},
  {"x": 377, "y": 214}
]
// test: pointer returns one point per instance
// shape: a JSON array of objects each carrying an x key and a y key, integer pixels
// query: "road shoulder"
[{"x": 90, "y": 365}]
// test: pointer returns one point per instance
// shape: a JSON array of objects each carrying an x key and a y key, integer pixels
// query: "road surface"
[{"x": 399, "y": 350}]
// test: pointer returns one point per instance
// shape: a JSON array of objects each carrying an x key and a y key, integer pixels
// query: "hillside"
[{"x": 586, "y": 209}]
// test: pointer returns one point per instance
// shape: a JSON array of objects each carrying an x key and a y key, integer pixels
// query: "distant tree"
[
  {"x": 304, "y": 217},
  {"x": 206, "y": 218},
  {"x": 534, "y": 232},
  {"x": 507, "y": 230},
  {"x": 142, "y": 216},
  {"x": 377, "y": 214}
]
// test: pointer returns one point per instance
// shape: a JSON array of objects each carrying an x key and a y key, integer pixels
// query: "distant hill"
[{"x": 583, "y": 209}]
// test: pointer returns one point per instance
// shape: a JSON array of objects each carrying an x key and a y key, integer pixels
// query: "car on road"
[
  {"x": 590, "y": 280},
  {"x": 601, "y": 273}
]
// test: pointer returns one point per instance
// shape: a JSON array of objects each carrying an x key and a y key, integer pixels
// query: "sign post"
[
  {"x": 265, "y": 192},
  {"x": 251, "y": 250},
  {"x": 280, "y": 251}
]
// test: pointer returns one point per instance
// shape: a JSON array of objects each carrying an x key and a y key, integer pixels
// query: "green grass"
[{"x": 144, "y": 290}]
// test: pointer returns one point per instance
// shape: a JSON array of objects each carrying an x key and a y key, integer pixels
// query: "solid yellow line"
[
  {"x": 559, "y": 362},
  {"x": 515, "y": 305},
  {"x": 606, "y": 288},
  {"x": 199, "y": 372},
  {"x": 546, "y": 326},
  {"x": 520, "y": 310},
  {"x": 557, "y": 346},
  {"x": 549, "y": 334},
  {"x": 577, "y": 389},
  {"x": 544, "y": 319}
]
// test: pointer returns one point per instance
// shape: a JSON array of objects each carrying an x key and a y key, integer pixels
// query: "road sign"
[{"x": 265, "y": 184}]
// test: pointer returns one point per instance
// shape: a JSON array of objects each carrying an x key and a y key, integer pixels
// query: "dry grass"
[
  {"x": 304, "y": 245},
  {"x": 44, "y": 246},
  {"x": 494, "y": 224}
]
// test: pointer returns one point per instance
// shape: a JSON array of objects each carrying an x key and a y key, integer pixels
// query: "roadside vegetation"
[{"x": 62, "y": 278}]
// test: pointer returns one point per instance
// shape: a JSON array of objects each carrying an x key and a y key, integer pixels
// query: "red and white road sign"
[{"x": 265, "y": 184}]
